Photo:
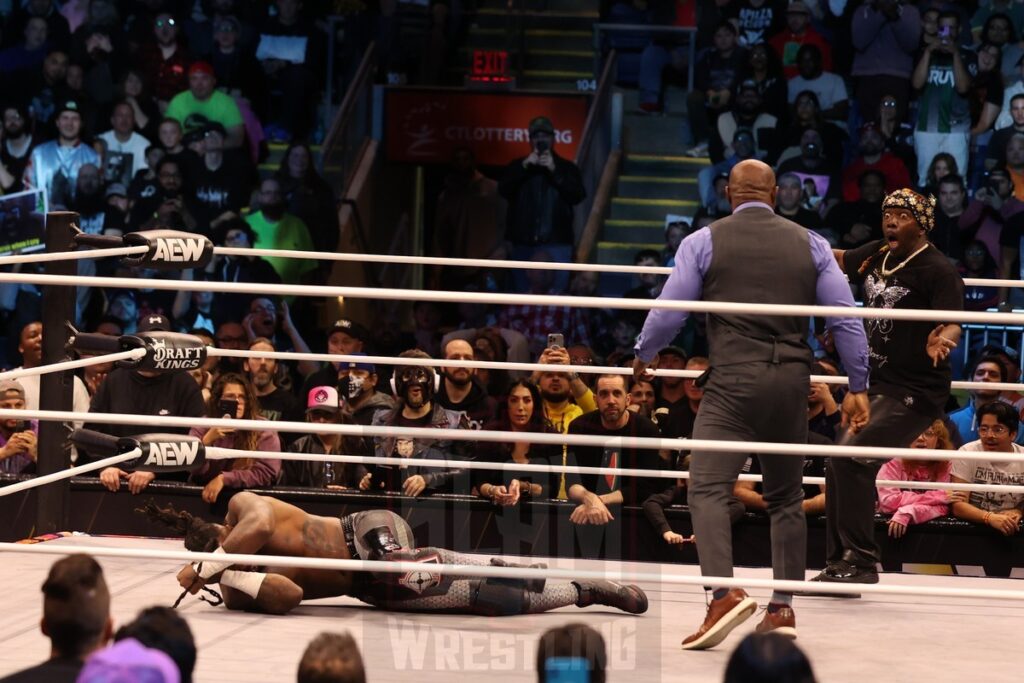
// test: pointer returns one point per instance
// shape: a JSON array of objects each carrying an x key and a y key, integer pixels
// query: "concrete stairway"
[{"x": 655, "y": 179}]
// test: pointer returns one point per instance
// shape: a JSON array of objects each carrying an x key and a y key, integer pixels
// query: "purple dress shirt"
[{"x": 686, "y": 283}]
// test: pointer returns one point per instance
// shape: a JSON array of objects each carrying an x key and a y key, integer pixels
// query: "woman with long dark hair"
[
  {"x": 978, "y": 263},
  {"x": 806, "y": 113},
  {"x": 764, "y": 67},
  {"x": 132, "y": 89},
  {"x": 521, "y": 414},
  {"x": 233, "y": 397},
  {"x": 308, "y": 195}
]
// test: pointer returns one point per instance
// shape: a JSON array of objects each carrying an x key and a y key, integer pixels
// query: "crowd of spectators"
[
  {"x": 854, "y": 98},
  {"x": 159, "y": 114},
  {"x": 181, "y": 149}
]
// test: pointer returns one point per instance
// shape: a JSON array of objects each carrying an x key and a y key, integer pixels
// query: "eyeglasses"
[
  {"x": 160, "y": 23},
  {"x": 889, "y": 104},
  {"x": 998, "y": 430},
  {"x": 930, "y": 433}
]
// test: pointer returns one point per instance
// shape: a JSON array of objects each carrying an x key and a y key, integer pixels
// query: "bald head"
[{"x": 751, "y": 181}]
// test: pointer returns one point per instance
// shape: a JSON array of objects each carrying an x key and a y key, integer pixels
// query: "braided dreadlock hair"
[{"x": 200, "y": 536}]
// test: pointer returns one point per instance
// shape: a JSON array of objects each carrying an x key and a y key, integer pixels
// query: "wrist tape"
[
  {"x": 246, "y": 582},
  {"x": 208, "y": 569}
]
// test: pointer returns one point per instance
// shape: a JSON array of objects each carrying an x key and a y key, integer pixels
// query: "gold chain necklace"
[{"x": 886, "y": 273}]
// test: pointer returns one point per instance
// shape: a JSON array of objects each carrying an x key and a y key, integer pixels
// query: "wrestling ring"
[{"x": 908, "y": 627}]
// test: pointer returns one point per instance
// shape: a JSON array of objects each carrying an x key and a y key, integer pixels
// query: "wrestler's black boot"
[{"x": 628, "y": 598}]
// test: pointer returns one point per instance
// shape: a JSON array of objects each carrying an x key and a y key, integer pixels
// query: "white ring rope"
[
  {"x": 71, "y": 255},
  {"x": 414, "y": 260},
  {"x": 499, "y": 263},
  {"x": 534, "y": 367},
  {"x": 216, "y": 453},
  {"x": 131, "y": 354},
  {"x": 69, "y": 473},
  {"x": 619, "y": 442},
  {"x": 402, "y": 567},
  {"x": 394, "y": 294}
]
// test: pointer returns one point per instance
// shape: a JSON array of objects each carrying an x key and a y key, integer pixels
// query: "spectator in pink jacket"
[
  {"x": 233, "y": 397},
  {"x": 916, "y": 506}
]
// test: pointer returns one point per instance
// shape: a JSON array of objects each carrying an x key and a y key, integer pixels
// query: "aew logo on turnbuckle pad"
[
  {"x": 171, "y": 454},
  {"x": 179, "y": 250},
  {"x": 420, "y": 580}
]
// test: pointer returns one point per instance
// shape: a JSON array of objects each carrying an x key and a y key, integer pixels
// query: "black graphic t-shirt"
[
  {"x": 900, "y": 365},
  {"x": 635, "y": 490},
  {"x": 757, "y": 24}
]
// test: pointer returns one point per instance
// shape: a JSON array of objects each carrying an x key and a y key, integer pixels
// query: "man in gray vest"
[{"x": 757, "y": 385}]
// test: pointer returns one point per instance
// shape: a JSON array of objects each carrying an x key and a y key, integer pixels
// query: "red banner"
[{"x": 426, "y": 126}]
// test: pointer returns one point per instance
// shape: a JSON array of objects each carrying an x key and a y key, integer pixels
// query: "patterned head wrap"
[{"x": 923, "y": 208}]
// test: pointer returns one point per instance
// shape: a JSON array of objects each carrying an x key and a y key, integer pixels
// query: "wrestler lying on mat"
[{"x": 263, "y": 525}]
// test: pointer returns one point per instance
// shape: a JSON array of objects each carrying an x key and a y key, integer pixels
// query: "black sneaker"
[
  {"x": 628, "y": 598},
  {"x": 845, "y": 572}
]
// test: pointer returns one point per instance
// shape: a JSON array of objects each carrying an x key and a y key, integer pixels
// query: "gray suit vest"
[{"x": 758, "y": 257}]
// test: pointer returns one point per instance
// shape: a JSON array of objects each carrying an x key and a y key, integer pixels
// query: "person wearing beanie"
[{"x": 910, "y": 371}]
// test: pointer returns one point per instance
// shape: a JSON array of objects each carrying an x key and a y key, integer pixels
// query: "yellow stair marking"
[
  {"x": 636, "y": 201},
  {"x": 656, "y": 179},
  {"x": 630, "y": 245},
  {"x": 669, "y": 159}
]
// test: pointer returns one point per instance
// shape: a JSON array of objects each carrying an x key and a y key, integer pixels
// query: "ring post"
[{"x": 55, "y": 389}]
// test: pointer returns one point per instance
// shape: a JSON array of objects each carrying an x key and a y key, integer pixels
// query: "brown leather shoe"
[
  {"x": 723, "y": 616},
  {"x": 782, "y": 622}
]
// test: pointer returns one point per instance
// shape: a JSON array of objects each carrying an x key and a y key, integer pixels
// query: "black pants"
[{"x": 850, "y": 490}]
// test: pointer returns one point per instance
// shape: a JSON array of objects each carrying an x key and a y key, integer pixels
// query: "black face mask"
[
  {"x": 406, "y": 378},
  {"x": 352, "y": 388}
]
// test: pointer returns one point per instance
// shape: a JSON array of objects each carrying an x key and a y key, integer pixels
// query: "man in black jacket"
[
  {"x": 541, "y": 190},
  {"x": 137, "y": 392}
]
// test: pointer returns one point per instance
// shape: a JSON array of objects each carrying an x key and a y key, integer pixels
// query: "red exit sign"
[{"x": 489, "y": 66}]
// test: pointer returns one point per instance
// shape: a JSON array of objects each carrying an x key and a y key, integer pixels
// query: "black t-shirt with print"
[
  {"x": 900, "y": 365},
  {"x": 635, "y": 490},
  {"x": 757, "y": 24}
]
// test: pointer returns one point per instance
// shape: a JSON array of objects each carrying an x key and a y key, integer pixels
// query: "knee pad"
[
  {"x": 498, "y": 597},
  {"x": 381, "y": 542}
]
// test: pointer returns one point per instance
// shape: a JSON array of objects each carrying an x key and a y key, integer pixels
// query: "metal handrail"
[
  {"x": 348, "y": 103},
  {"x": 597, "y": 108},
  {"x": 691, "y": 34}
]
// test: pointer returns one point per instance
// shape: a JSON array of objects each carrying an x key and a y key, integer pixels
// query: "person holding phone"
[
  {"x": 18, "y": 438},
  {"x": 541, "y": 190},
  {"x": 942, "y": 77},
  {"x": 233, "y": 397}
]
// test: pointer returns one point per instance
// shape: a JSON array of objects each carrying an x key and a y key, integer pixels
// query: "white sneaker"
[{"x": 700, "y": 150}]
